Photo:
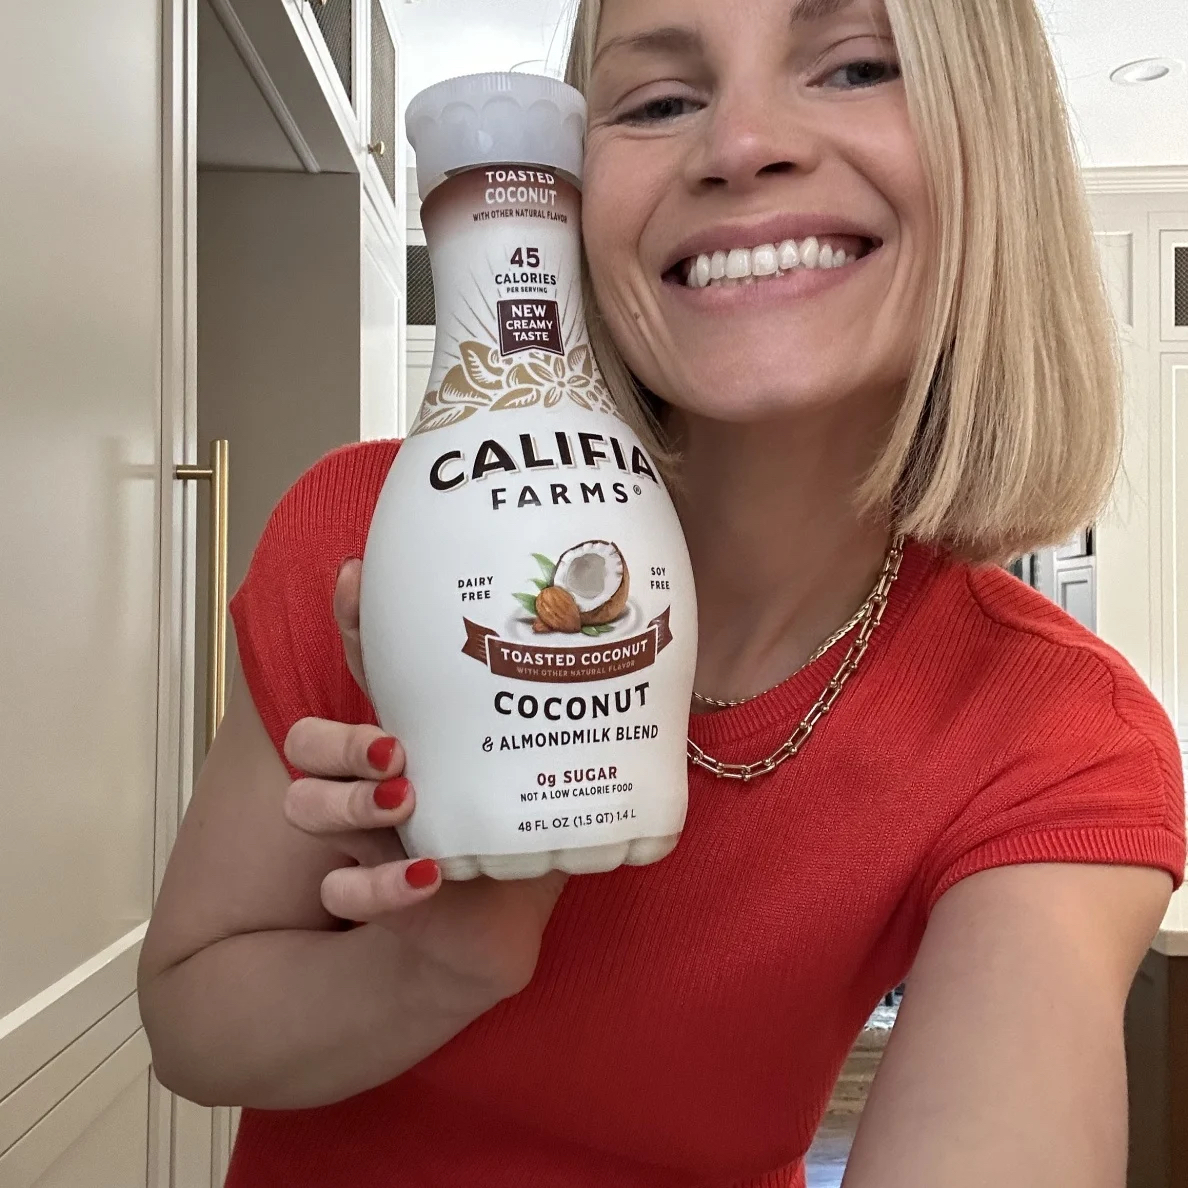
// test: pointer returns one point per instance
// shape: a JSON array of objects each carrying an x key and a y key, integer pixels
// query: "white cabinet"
[
  {"x": 381, "y": 323},
  {"x": 421, "y": 343},
  {"x": 1141, "y": 222},
  {"x": 355, "y": 47},
  {"x": 92, "y": 640}
]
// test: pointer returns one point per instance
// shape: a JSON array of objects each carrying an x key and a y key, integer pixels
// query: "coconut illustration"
[{"x": 589, "y": 588}]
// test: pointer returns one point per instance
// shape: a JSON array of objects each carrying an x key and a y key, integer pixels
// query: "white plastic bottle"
[{"x": 528, "y": 618}]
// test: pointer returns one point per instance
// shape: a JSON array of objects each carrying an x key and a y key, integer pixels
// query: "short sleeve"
[
  {"x": 1097, "y": 778},
  {"x": 289, "y": 647}
]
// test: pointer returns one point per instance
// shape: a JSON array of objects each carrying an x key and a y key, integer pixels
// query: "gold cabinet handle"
[
  {"x": 218, "y": 475},
  {"x": 377, "y": 148}
]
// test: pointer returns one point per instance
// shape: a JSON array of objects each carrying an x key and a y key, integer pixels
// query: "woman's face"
[{"x": 759, "y": 139}]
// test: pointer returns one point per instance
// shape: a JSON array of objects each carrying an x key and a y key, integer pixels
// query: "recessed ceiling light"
[{"x": 1146, "y": 70}]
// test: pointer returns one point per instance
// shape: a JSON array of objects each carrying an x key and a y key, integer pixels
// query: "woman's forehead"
[{"x": 709, "y": 14}]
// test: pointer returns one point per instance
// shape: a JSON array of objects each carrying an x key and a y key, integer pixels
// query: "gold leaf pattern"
[
  {"x": 483, "y": 366},
  {"x": 484, "y": 379},
  {"x": 522, "y": 374},
  {"x": 581, "y": 359},
  {"x": 438, "y": 417},
  {"x": 517, "y": 398},
  {"x": 457, "y": 389}
]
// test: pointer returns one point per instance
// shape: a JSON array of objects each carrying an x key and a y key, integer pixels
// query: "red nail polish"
[
  {"x": 421, "y": 874},
  {"x": 391, "y": 794},
  {"x": 380, "y": 753}
]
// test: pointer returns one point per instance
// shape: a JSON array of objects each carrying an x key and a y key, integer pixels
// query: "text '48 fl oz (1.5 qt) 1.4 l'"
[{"x": 528, "y": 617}]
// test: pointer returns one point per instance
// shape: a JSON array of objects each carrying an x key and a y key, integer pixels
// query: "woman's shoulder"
[
  {"x": 1035, "y": 677},
  {"x": 324, "y": 517},
  {"x": 338, "y": 493},
  {"x": 1036, "y": 740}
]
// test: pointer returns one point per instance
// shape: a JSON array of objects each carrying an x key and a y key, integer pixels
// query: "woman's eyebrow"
[
  {"x": 680, "y": 39},
  {"x": 669, "y": 39},
  {"x": 806, "y": 11}
]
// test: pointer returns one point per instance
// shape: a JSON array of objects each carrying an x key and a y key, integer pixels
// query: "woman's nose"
[{"x": 748, "y": 137}]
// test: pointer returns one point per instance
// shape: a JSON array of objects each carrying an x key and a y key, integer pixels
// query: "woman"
[{"x": 993, "y": 800}]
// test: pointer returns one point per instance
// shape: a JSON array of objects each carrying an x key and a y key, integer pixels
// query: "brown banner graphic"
[{"x": 595, "y": 661}]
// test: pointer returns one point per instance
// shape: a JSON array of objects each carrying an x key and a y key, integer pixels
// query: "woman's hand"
[{"x": 352, "y": 797}]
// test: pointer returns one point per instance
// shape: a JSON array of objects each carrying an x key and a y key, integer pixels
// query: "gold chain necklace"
[
  {"x": 835, "y": 638},
  {"x": 871, "y": 616}
]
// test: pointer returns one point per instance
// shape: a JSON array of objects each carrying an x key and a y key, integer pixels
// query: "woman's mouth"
[{"x": 748, "y": 266}]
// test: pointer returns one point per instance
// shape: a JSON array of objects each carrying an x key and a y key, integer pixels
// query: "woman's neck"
[{"x": 780, "y": 555}]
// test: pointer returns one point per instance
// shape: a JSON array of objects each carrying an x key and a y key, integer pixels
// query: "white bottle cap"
[{"x": 496, "y": 119}]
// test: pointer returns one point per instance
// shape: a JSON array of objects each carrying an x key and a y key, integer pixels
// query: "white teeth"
[
  {"x": 743, "y": 265},
  {"x": 738, "y": 264},
  {"x": 789, "y": 255},
  {"x": 763, "y": 260}
]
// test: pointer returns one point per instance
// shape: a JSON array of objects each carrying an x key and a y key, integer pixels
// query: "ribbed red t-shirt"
[{"x": 687, "y": 1020}]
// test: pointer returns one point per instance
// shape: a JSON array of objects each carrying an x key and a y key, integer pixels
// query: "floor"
[
  {"x": 831, "y": 1148},
  {"x": 826, "y": 1163}
]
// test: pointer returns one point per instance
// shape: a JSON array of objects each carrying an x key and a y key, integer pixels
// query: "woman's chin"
[{"x": 759, "y": 399}]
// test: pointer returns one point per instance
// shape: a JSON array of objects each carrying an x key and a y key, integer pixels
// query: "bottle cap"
[{"x": 496, "y": 119}]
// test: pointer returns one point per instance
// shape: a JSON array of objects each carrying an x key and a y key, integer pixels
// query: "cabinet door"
[
  {"x": 421, "y": 343},
  {"x": 1175, "y": 407},
  {"x": 1173, "y": 276},
  {"x": 385, "y": 135},
  {"x": 335, "y": 21},
  {"x": 382, "y": 316},
  {"x": 88, "y": 717}
]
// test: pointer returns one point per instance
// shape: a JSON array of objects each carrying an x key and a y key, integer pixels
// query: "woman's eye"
[
  {"x": 864, "y": 73},
  {"x": 656, "y": 111}
]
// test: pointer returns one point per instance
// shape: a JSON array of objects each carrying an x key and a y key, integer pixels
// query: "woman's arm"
[
  {"x": 1006, "y": 1066},
  {"x": 252, "y": 994}
]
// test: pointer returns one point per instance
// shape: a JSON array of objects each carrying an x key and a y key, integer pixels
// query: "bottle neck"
[{"x": 505, "y": 247}]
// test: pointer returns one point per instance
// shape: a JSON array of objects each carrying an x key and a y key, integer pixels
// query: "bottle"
[{"x": 527, "y": 608}]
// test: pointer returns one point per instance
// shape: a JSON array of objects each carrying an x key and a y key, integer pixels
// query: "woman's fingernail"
[
  {"x": 421, "y": 874},
  {"x": 380, "y": 753},
  {"x": 391, "y": 794}
]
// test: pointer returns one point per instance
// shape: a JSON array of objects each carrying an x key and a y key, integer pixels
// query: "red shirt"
[{"x": 687, "y": 1020}]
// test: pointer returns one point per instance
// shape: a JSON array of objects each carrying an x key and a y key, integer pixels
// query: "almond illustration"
[{"x": 558, "y": 611}]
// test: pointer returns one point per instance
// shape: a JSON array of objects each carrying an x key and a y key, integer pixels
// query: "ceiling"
[{"x": 1143, "y": 125}]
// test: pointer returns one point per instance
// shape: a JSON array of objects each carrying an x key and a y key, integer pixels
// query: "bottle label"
[{"x": 511, "y": 334}]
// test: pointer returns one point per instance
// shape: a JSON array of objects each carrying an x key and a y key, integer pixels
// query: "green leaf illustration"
[
  {"x": 527, "y": 601},
  {"x": 539, "y": 584},
  {"x": 547, "y": 567},
  {"x": 598, "y": 630}
]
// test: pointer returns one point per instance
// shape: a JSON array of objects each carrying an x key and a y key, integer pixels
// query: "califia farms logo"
[{"x": 453, "y": 470}]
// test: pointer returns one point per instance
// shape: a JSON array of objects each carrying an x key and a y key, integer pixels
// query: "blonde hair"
[{"x": 1009, "y": 431}]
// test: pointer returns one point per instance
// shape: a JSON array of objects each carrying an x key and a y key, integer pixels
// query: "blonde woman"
[{"x": 992, "y": 802}]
